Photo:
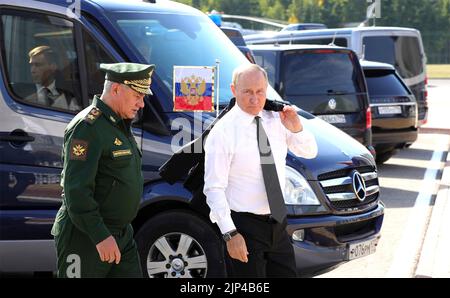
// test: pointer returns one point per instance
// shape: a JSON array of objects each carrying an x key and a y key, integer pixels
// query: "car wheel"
[{"x": 178, "y": 244}]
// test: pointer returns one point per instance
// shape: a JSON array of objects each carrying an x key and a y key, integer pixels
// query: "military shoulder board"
[{"x": 92, "y": 115}]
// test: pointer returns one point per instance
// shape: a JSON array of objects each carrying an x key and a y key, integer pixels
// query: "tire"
[
  {"x": 180, "y": 244},
  {"x": 383, "y": 157}
]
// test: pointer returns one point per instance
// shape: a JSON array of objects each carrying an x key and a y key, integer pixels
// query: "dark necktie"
[
  {"x": 273, "y": 189},
  {"x": 49, "y": 97}
]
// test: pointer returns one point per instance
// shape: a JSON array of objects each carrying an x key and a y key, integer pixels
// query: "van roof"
[
  {"x": 129, "y": 6},
  {"x": 140, "y": 5},
  {"x": 326, "y": 32},
  {"x": 287, "y": 47}
]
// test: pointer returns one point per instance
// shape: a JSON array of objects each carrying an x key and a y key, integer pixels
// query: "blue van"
[{"x": 329, "y": 221}]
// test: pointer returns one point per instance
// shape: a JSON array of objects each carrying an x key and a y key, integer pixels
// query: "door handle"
[{"x": 17, "y": 137}]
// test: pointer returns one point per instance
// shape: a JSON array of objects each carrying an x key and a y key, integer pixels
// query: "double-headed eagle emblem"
[{"x": 193, "y": 88}]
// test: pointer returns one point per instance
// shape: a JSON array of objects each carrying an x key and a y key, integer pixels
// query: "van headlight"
[{"x": 297, "y": 190}]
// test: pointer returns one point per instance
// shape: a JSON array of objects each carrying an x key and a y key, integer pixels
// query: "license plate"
[
  {"x": 362, "y": 249},
  {"x": 339, "y": 118},
  {"x": 390, "y": 110}
]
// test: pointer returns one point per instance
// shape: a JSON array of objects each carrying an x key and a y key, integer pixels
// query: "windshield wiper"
[{"x": 337, "y": 92}]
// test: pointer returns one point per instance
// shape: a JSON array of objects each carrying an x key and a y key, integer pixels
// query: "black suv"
[
  {"x": 326, "y": 81},
  {"x": 394, "y": 109},
  {"x": 236, "y": 37}
]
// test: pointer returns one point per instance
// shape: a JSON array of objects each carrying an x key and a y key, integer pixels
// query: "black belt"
[{"x": 262, "y": 217}]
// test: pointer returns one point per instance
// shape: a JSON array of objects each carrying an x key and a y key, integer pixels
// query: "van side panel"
[{"x": 404, "y": 50}]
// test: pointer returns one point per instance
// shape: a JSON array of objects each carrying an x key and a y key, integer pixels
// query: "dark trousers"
[
  {"x": 71, "y": 243},
  {"x": 270, "y": 251}
]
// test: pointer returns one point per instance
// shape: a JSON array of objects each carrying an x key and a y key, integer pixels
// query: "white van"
[{"x": 400, "y": 47}]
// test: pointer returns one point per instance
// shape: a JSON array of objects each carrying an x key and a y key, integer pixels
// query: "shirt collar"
[
  {"x": 51, "y": 87},
  {"x": 106, "y": 110},
  {"x": 244, "y": 117}
]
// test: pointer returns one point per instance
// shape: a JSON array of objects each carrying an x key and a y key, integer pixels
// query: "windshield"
[
  {"x": 319, "y": 72},
  {"x": 169, "y": 40}
]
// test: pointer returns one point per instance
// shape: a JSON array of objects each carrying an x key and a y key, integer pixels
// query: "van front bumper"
[{"x": 327, "y": 238}]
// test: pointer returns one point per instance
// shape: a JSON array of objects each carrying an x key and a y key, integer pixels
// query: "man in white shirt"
[
  {"x": 237, "y": 187},
  {"x": 43, "y": 71}
]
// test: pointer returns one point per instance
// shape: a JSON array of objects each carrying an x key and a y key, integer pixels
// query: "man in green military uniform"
[{"x": 102, "y": 180}]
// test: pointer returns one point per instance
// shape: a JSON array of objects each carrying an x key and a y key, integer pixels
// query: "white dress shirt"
[
  {"x": 59, "y": 98},
  {"x": 42, "y": 95},
  {"x": 233, "y": 175}
]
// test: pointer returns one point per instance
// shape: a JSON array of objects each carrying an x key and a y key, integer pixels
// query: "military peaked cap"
[{"x": 134, "y": 75}]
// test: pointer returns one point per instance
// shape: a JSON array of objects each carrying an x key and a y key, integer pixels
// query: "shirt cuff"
[
  {"x": 299, "y": 133},
  {"x": 226, "y": 224}
]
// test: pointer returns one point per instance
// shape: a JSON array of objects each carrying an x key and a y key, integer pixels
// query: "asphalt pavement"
[
  {"x": 415, "y": 189},
  {"x": 434, "y": 258}
]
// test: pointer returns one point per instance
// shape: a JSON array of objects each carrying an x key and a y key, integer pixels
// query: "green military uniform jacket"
[{"x": 102, "y": 179}]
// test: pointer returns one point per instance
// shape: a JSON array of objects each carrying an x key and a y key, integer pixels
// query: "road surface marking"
[{"x": 405, "y": 257}]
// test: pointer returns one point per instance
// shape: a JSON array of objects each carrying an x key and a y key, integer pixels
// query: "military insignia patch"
[
  {"x": 117, "y": 142},
  {"x": 78, "y": 149},
  {"x": 92, "y": 115},
  {"x": 119, "y": 153}
]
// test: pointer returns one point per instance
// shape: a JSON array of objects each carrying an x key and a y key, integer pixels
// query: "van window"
[
  {"x": 95, "y": 55},
  {"x": 41, "y": 60},
  {"x": 267, "y": 60},
  {"x": 185, "y": 40},
  {"x": 382, "y": 83},
  {"x": 309, "y": 72},
  {"x": 403, "y": 52}
]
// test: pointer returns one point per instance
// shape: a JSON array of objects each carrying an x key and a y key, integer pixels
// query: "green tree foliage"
[
  {"x": 272, "y": 9},
  {"x": 240, "y": 7}
]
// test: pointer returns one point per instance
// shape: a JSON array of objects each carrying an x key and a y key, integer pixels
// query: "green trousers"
[{"x": 78, "y": 256}]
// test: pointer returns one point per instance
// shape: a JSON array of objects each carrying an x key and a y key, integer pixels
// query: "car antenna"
[{"x": 334, "y": 39}]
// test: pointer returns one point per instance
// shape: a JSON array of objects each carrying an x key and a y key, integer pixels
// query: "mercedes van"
[
  {"x": 332, "y": 216},
  {"x": 400, "y": 47}
]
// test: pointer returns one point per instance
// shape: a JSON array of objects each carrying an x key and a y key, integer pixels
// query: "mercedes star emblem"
[{"x": 359, "y": 186}]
